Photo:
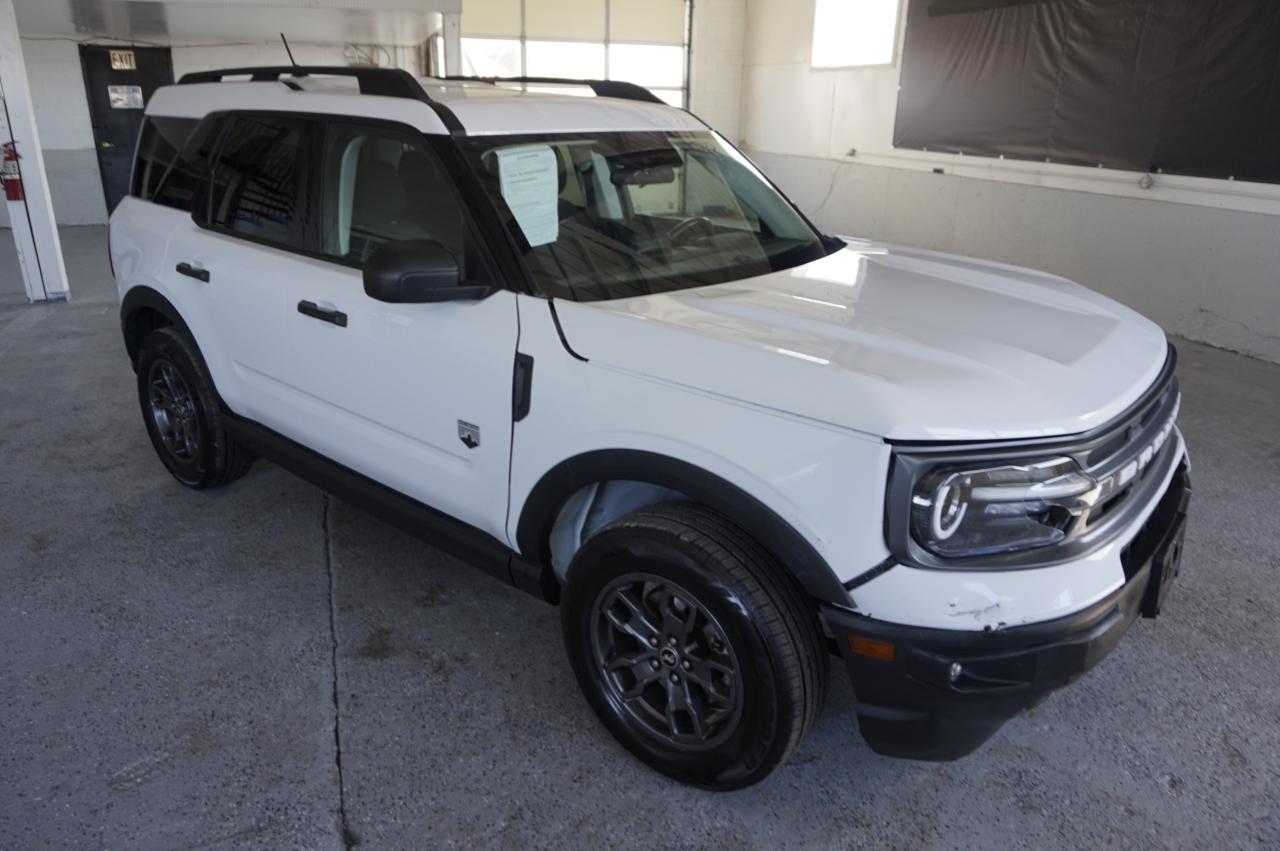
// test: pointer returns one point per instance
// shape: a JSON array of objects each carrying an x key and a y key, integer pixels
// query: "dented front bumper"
[{"x": 939, "y": 694}]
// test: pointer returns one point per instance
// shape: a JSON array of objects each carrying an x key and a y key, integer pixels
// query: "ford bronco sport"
[{"x": 585, "y": 345}]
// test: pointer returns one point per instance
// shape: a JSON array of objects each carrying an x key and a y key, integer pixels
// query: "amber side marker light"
[{"x": 882, "y": 651}]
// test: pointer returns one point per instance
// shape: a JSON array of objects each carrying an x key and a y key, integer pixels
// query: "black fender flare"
[
  {"x": 146, "y": 298},
  {"x": 538, "y": 514}
]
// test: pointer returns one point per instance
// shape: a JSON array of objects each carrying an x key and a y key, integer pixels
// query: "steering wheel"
[{"x": 678, "y": 233}]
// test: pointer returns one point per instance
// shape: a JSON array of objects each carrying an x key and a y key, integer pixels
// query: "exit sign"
[{"x": 123, "y": 60}]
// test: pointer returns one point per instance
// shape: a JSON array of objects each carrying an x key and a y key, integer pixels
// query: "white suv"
[{"x": 582, "y": 343}]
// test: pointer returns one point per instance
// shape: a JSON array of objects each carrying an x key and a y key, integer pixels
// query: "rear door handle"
[
  {"x": 185, "y": 268},
  {"x": 324, "y": 314}
]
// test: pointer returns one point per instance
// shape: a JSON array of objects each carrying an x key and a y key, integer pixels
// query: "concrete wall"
[
  {"x": 1202, "y": 257},
  {"x": 715, "y": 63}
]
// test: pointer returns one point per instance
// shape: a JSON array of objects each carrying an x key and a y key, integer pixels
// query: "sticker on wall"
[
  {"x": 125, "y": 97},
  {"x": 123, "y": 60}
]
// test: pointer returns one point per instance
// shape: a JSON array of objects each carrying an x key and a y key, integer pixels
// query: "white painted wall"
[
  {"x": 62, "y": 116},
  {"x": 1200, "y": 256},
  {"x": 193, "y": 57},
  {"x": 715, "y": 63}
]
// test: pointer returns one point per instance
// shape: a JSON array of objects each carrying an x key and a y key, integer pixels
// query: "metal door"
[{"x": 119, "y": 81}]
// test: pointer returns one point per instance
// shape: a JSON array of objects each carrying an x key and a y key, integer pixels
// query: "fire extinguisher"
[{"x": 12, "y": 177}]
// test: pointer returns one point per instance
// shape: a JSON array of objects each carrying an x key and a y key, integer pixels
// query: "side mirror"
[{"x": 416, "y": 271}]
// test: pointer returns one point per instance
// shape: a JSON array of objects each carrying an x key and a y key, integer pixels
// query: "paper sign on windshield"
[{"x": 528, "y": 180}]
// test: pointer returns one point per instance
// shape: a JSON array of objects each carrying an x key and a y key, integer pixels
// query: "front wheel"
[{"x": 696, "y": 650}]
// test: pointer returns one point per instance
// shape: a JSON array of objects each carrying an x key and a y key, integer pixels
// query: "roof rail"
[
  {"x": 387, "y": 82},
  {"x": 601, "y": 88}
]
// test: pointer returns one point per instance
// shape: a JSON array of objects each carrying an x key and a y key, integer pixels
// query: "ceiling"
[{"x": 173, "y": 22}]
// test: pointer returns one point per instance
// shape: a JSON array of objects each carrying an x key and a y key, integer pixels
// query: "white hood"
[{"x": 893, "y": 342}]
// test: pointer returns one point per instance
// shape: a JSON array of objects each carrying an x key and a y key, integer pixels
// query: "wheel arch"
[
  {"x": 143, "y": 310},
  {"x": 540, "y": 510}
]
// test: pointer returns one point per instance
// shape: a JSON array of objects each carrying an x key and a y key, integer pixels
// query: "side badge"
[{"x": 469, "y": 434}]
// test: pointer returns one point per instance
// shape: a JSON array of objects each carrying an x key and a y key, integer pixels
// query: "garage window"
[
  {"x": 853, "y": 33},
  {"x": 636, "y": 41}
]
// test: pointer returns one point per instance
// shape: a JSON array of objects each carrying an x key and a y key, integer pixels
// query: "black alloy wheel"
[
  {"x": 666, "y": 661},
  {"x": 183, "y": 413},
  {"x": 173, "y": 411},
  {"x": 694, "y": 646}
]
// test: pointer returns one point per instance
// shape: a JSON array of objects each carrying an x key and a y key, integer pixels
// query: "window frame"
[{"x": 898, "y": 25}]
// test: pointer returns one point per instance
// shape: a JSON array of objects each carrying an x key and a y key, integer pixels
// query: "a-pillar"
[{"x": 39, "y": 250}]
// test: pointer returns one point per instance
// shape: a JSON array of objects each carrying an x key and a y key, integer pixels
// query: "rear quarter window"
[
  {"x": 185, "y": 184},
  {"x": 162, "y": 139},
  {"x": 172, "y": 168}
]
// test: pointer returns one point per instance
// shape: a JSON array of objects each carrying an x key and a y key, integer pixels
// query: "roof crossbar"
[
  {"x": 387, "y": 82},
  {"x": 601, "y": 88}
]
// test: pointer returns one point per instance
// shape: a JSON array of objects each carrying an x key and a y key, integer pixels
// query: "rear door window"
[{"x": 260, "y": 188}]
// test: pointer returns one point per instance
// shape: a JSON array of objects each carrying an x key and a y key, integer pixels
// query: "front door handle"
[
  {"x": 185, "y": 268},
  {"x": 324, "y": 314}
]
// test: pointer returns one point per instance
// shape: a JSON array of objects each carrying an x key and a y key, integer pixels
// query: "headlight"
[{"x": 956, "y": 513}]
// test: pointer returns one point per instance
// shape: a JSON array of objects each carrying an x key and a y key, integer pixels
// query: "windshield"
[{"x": 612, "y": 215}]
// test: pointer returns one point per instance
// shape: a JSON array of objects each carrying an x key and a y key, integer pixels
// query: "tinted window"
[
  {"x": 380, "y": 184},
  {"x": 259, "y": 187},
  {"x": 161, "y": 140},
  {"x": 183, "y": 182}
]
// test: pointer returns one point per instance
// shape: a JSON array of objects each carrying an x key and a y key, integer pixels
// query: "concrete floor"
[{"x": 168, "y": 663}]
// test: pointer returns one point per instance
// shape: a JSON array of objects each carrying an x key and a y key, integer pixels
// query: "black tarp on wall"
[{"x": 1184, "y": 86}]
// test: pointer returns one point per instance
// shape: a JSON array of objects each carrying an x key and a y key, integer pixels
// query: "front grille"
[
  {"x": 1120, "y": 439},
  {"x": 1128, "y": 454}
]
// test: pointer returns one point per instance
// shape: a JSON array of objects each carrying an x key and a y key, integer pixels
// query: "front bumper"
[{"x": 912, "y": 699}]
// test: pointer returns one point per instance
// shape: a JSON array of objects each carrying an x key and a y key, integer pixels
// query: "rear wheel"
[
  {"x": 181, "y": 411},
  {"x": 693, "y": 646}
]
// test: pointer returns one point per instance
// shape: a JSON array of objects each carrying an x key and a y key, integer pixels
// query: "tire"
[
  {"x": 744, "y": 679},
  {"x": 183, "y": 415}
]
